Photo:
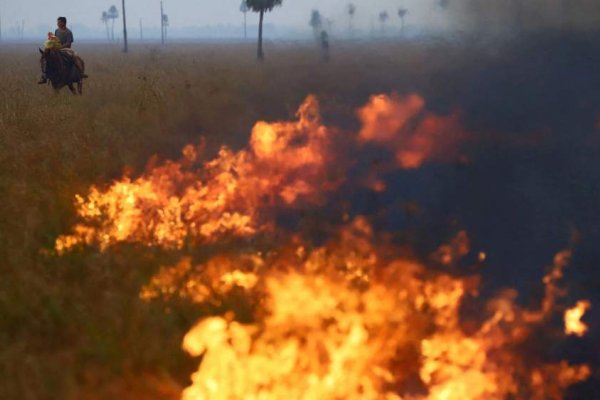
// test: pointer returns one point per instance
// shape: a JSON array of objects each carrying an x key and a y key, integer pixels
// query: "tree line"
[{"x": 259, "y": 6}]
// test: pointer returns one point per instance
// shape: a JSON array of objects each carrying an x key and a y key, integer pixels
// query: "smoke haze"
[{"x": 452, "y": 15}]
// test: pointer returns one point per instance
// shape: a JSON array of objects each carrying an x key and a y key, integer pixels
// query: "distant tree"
[
  {"x": 20, "y": 29},
  {"x": 444, "y": 4},
  {"x": 351, "y": 10},
  {"x": 165, "y": 24},
  {"x": 162, "y": 24},
  {"x": 402, "y": 13},
  {"x": 316, "y": 22},
  {"x": 262, "y": 6},
  {"x": 244, "y": 10},
  {"x": 105, "y": 18},
  {"x": 383, "y": 17},
  {"x": 124, "y": 27},
  {"x": 324, "y": 46},
  {"x": 113, "y": 14}
]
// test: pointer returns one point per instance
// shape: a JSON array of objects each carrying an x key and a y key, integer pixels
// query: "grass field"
[{"x": 73, "y": 327}]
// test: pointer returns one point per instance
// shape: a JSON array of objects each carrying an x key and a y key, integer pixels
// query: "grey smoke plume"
[{"x": 526, "y": 14}]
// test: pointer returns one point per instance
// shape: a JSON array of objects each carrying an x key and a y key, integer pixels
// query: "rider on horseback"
[{"x": 65, "y": 36}]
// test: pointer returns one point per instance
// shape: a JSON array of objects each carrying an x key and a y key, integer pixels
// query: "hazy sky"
[
  {"x": 40, "y": 15},
  {"x": 202, "y": 12}
]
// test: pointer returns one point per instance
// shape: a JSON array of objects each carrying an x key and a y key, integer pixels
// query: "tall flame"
[
  {"x": 347, "y": 321},
  {"x": 288, "y": 163},
  {"x": 354, "y": 318},
  {"x": 175, "y": 202}
]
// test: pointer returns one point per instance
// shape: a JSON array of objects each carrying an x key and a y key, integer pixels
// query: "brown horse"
[{"x": 61, "y": 71}]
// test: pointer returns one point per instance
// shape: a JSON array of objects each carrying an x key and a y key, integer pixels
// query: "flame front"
[
  {"x": 287, "y": 164},
  {"x": 177, "y": 201},
  {"x": 345, "y": 321},
  {"x": 354, "y": 318}
]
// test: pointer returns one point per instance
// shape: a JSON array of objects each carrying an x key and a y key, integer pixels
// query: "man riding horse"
[{"x": 65, "y": 36}]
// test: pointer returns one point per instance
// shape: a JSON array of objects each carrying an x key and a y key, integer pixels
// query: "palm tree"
[
  {"x": 260, "y": 6},
  {"x": 165, "y": 24},
  {"x": 244, "y": 10},
  {"x": 351, "y": 9},
  {"x": 105, "y": 19},
  {"x": 383, "y": 17},
  {"x": 124, "y": 27},
  {"x": 402, "y": 13},
  {"x": 162, "y": 24},
  {"x": 113, "y": 13}
]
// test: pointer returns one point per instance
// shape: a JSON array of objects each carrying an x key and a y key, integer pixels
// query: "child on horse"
[{"x": 62, "y": 41}]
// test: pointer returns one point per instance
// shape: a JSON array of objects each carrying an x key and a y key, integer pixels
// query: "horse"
[{"x": 61, "y": 71}]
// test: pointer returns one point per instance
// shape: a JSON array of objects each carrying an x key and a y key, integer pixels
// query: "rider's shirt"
[{"x": 65, "y": 36}]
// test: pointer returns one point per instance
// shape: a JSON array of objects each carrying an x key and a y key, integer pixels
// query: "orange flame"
[
  {"x": 288, "y": 163},
  {"x": 344, "y": 321},
  {"x": 572, "y": 318},
  {"x": 171, "y": 203},
  {"x": 352, "y": 319},
  {"x": 416, "y": 135}
]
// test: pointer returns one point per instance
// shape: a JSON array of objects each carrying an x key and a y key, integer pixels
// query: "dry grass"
[
  {"x": 73, "y": 324},
  {"x": 73, "y": 327}
]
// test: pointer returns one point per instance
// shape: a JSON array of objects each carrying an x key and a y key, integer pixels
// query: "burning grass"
[
  {"x": 341, "y": 321},
  {"x": 288, "y": 165},
  {"x": 344, "y": 320},
  {"x": 203, "y": 248}
]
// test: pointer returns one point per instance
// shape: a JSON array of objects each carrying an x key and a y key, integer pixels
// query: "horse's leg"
[
  {"x": 72, "y": 89},
  {"x": 43, "y": 78},
  {"x": 80, "y": 87}
]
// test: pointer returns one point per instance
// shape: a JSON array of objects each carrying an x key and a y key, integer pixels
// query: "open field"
[{"x": 74, "y": 326}]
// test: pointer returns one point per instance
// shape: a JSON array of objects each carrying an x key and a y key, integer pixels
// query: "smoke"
[{"x": 525, "y": 14}]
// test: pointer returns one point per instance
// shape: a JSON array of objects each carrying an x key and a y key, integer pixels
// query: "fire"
[
  {"x": 344, "y": 363},
  {"x": 572, "y": 318},
  {"x": 355, "y": 316},
  {"x": 218, "y": 278},
  {"x": 458, "y": 247},
  {"x": 384, "y": 116},
  {"x": 348, "y": 320},
  {"x": 287, "y": 164},
  {"x": 415, "y": 134},
  {"x": 178, "y": 201}
]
